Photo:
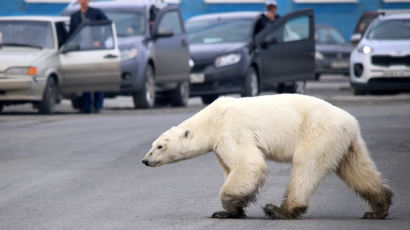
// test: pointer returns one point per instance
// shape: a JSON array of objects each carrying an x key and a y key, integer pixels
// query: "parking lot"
[{"x": 84, "y": 171}]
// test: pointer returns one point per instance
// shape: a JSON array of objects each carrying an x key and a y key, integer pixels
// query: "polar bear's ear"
[{"x": 187, "y": 134}]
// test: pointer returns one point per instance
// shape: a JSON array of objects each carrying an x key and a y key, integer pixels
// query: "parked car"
[
  {"x": 154, "y": 60},
  {"x": 381, "y": 61},
  {"x": 228, "y": 60},
  {"x": 39, "y": 66},
  {"x": 332, "y": 51}
]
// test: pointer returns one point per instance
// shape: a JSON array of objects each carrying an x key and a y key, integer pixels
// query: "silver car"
[
  {"x": 381, "y": 61},
  {"x": 40, "y": 65}
]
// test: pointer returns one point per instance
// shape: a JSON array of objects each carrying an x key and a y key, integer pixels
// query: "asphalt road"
[{"x": 73, "y": 171}]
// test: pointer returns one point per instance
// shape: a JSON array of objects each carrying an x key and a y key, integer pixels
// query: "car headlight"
[
  {"x": 228, "y": 59},
  {"x": 365, "y": 49},
  {"x": 30, "y": 71},
  {"x": 128, "y": 54},
  {"x": 318, "y": 55}
]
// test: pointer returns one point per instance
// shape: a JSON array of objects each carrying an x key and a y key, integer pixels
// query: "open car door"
[
  {"x": 170, "y": 46},
  {"x": 90, "y": 59},
  {"x": 286, "y": 48}
]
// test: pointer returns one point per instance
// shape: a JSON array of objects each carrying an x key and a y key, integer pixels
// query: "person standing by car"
[
  {"x": 268, "y": 17},
  {"x": 84, "y": 15}
]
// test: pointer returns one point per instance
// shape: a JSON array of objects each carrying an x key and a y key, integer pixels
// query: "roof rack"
[{"x": 390, "y": 11}]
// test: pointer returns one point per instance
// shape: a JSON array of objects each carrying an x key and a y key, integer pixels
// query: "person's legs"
[
  {"x": 87, "y": 98},
  {"x": 98, "y": 101}
]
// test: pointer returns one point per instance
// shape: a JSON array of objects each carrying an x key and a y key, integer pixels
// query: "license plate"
[
  {"x": 339, "y": 64},
  {"x": 197, "y": 78},
  {"x": 396, "y": 73}
]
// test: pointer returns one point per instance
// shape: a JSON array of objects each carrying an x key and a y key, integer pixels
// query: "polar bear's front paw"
[
  {"x": 227, "y": 215},
  {"x": 273, "y": 212}
]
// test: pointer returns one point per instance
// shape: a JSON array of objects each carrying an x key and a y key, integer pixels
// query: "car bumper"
[
  {"x": 21, "y": 88},
  {"x": 336, "y": 66},
  {"x": 218, "y": 81},
  {"x": 376, "y": 77}
]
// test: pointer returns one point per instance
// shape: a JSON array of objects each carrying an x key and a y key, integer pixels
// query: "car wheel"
[
  {"x": 47, "y": 104},
  {"x": 251, "y": 87},
  {"x": 298, "y": 87},
  {"x": 145, "y": 99},
  {"x": 317, "y": 76},
  {"x": 208, "y": 99},
  {"x": 180, "y": 95},
  {"x": 77, "y": 103}
]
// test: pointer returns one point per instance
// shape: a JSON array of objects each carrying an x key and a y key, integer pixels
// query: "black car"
[
  {"x": 154, "y": 59},
  {"x": 228, "y": 59},
  {"x": 332, "y": 51}
]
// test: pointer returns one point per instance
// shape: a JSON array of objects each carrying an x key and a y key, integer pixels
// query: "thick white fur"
[{"x": 313, "y": 135}]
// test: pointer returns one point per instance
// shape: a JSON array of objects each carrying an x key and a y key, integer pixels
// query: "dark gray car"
[
  {"x": 154, "y": 58},
  {"x": 228, "y": 59},
  {"x": 332, "y": 51}
]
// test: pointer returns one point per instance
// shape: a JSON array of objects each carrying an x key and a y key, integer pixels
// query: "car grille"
[
  {"x": 386, "y": 60},
  {"x": 337, "y": 55}
]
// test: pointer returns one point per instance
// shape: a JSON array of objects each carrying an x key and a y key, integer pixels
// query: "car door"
[
  {"x": 170, "y": 43},
  {"x": 286, "y": 48},
  {"x": 90, "y": 60}
]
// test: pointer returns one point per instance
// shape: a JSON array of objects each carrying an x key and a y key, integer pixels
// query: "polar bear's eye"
[{"x": 160, "y": 147}]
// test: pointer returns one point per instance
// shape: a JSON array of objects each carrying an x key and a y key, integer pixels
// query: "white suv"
[{"x": 381, "y": 61}]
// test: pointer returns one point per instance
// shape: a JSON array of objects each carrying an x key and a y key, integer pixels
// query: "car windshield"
[
  {"x": 219, "y": 31},
  {"x": 34, "y": 34},
  {"x": 328, "y": 35},
  {"x": 393, "y": 29},
  {"x": 128, "y": 24}
]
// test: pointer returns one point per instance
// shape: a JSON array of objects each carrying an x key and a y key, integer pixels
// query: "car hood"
[
  {"x": 202, "y": 52},
  {"x": 10, "y": 57},
  {"x": 129, "y": 42},
  {"x": 334, "y": 48},
  {"x": 389, "y": 46}
]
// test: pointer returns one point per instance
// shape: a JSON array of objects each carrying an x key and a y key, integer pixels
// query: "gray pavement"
[{"x": 74, "y": 171}]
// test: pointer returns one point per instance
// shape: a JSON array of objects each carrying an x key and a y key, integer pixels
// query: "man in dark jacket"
[
  {"x": 84, "y": 15},
  {"x": 269, "y": 17}
]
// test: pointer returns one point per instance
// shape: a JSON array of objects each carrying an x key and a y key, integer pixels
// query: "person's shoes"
[{"x": 97, "y": 110}]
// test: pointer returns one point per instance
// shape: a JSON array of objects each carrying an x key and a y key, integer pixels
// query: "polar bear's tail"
[{"x": 359, "y": 172}]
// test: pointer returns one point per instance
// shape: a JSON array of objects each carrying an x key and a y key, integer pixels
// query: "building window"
[
  {"x": 68, "y": 1},
  {"x": 325, "y": 1},
  {"x": 396, "y": 1},
  {"x": 233, "y": 1}
]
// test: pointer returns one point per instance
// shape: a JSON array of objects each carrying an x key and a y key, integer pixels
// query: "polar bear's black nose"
[{"x": 145, "y": 162}]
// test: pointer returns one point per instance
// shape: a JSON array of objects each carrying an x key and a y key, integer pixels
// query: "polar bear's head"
[{"x": 174, "y": 145}]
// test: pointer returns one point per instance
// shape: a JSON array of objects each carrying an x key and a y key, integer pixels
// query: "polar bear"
[{"x": 313, "y": 135}]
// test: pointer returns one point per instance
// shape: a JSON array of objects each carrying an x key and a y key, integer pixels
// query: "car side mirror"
[
  {"x": 355, "y": 38},
  {"x": 163, "y": 33},
  {"x": 269, "y": 40},
  {"x": 70, "y": 48}
]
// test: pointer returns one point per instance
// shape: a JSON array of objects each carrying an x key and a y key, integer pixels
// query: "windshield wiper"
[{"x": 23, "y": 45}]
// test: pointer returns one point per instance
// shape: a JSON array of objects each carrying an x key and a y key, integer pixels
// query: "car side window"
[
  {"x": 294, "y": 29},
  {"x": 92, "y": 37},
  {"x": 171, "y": 21}
]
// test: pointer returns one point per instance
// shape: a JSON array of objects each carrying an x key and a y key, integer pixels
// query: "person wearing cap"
[{"x": 269, "y": 16}]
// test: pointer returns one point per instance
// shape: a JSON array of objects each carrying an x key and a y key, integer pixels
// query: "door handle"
[
  {"x": 184, "y": 43},
  {"x": 110, "y": 56}
]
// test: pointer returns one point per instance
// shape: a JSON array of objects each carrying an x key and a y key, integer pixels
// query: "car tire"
[
  {"x": 317, "y": 77},
  {"x": 208, "y": 99},
  {"x": 145, "y": 99},
  {"x": 298, "y": 87},
  {"x": 47, "y": 104},
  {"x": 77, "y": 102},
  {"x": 251, "y": 86},
  {"x": 180, "y": 95}
]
